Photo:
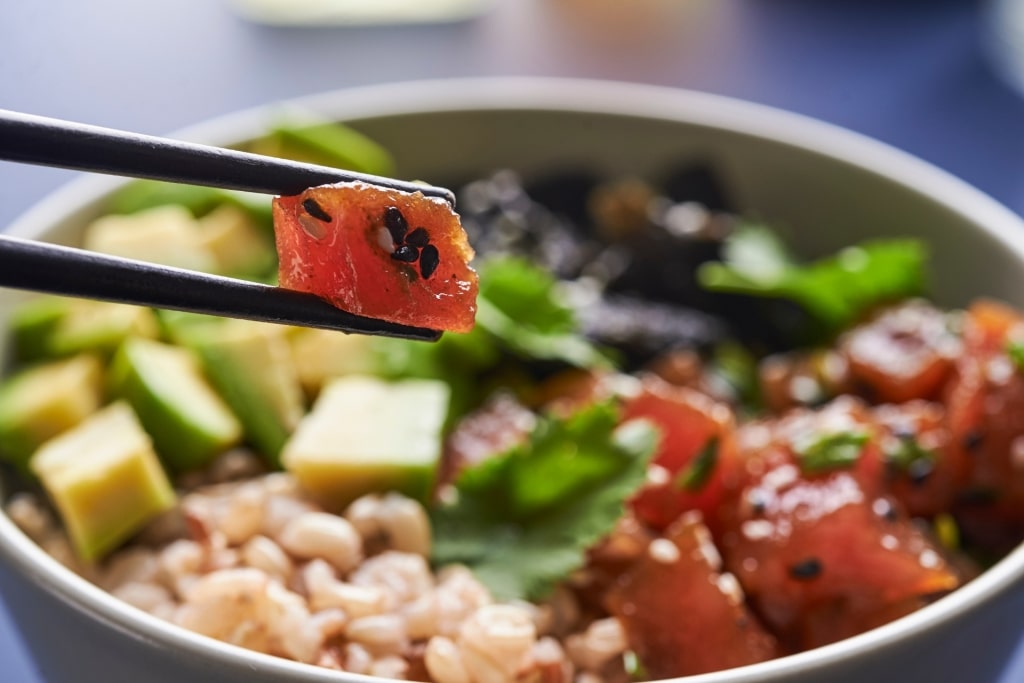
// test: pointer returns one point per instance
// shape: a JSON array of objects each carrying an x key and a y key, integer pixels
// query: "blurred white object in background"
[
  {"x": 1005, "y": 39},
  {"x": 356, "y": 12}
]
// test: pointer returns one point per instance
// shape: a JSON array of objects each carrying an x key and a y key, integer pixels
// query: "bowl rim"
[{"x": 554, "y": 95}]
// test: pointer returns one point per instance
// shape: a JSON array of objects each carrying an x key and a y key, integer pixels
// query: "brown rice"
[{"x": 255, "y": 564}]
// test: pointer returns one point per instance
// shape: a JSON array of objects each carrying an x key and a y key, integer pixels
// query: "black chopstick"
[
  {"x": 54, "y": 269},
  {"x": 43, "y": 141}
]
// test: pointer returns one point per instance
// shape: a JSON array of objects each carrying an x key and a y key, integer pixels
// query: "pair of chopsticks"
[{"x": 54, "y": 269}]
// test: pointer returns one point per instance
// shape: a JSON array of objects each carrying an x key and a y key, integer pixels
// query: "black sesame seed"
[
  {"x": 973, "y": 439},
  {"x": 394, "y": 221},
  {"x": 315, "y": 210},
  {"x": 429, "y": 261},
  {"x": 920, "y": 470},
  {"x": 758, "y": 502},
  {"x": 418, "y": 238},
  {"x": 406, "y": 254},
  {"x": 806, "y": 570}
]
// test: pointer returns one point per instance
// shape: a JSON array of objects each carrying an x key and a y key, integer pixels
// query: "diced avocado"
[
  {"x": 365, "y": 435},
  {"x": 250, "y": 364},
  {"x": 177, "y": 327},
  {"x": 322, "y": 354},
  {"x": 105, "y": 480},
  {"x": 189, "y": 423},
  {"x": 41, "y": 402},
  {"x": 143, "y": 195},
  {"x": 237, "y": 245},
  {"x": 32, "y": 325},
  {"x": 100, "y": 327},
  {"x": 328, "y": 144},
  {"x": 55, "y": 327},
  {"x": 147, "y": 194},
  {"x": 168, "y": 235}
]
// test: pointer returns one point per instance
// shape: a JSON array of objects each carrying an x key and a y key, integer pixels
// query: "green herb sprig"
[
  {"x": 523, "y": 520},
  {"x": 834, "y": 290}
]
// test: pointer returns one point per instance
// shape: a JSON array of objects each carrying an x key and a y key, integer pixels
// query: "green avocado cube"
[
  {"x": 327, "y": 144},
  {"x": 41, "y": 402},
  {"x": 33, "y": 323},
  {"x": 237, "y": 245},
  {"x": 250, "y": 365},
  {"x": 164, "y": 234},
  {"x": 321, "y": 355},
  {"x": 105, "y": 480},
  {"x": 177, "y": 327},
  {"x": 53, "y": 327},
  {"x": 100, "y": 327},
  {"x": 188, "y": 421},
  {"x": 366, "y": 435}
]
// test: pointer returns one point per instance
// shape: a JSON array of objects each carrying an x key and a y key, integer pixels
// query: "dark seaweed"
[
  {"x": 642, "y": 330},
  {"x": 653, "y": 300},
  {"x": 565, "y": 193},
  {"x": 501, "y": 218},
  {"x": 700, "y": 183}
]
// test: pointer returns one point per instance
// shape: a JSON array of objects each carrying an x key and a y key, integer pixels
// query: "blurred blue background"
[{"x": 913, "y": 73}]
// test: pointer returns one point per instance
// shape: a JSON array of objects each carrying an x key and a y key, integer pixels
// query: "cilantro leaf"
[
  {"x": 518, "y": 314},
  {"x": 834, "y": 290},
  {"x": 519, "y": 317},
  {"x": 519, "y": 309},
  {"x": 517, "y": 336},
  {"x": 523, "y": 520},
  {"x": 758, "y": 252},
  {"x": 524, "y": 291}
]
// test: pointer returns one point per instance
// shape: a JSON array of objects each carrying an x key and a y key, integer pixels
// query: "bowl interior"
[{"x": 825, "y": 189}]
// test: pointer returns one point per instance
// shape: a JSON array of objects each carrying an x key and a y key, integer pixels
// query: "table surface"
[{"x": 913, "y": 73}]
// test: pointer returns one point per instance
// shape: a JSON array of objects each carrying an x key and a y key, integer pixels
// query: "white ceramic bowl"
[{"x": 827, "y": 186}]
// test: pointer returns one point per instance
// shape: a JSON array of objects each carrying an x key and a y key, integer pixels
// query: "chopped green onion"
[
  {"x": 907, "y": 452},
  {"x": 695, "y": 477},
  {"x": 832, "y": 451},
  {"x": 1015, "y": 350},
  {"x": 634, "y": 667},
  {"x": 738, "y": 367},
  {"x": 947, "y": 531}
]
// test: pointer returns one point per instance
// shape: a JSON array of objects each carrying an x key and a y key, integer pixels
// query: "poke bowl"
[{"x": 830, "y": 510}]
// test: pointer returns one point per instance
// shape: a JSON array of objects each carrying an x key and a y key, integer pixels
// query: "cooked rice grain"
[
  {"x": 325, "y": 536},
  {"x": 254, "y": 564}
]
